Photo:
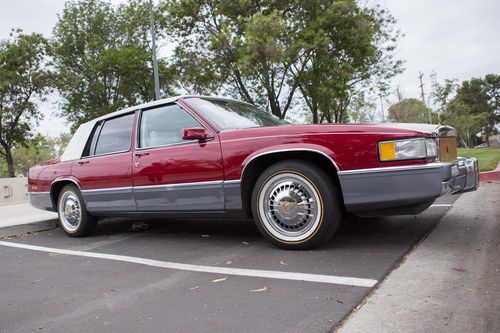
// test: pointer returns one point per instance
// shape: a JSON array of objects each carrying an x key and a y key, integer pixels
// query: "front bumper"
[
  {"x": 405, "y": 190},
  {"x": 465, "y": 176}
]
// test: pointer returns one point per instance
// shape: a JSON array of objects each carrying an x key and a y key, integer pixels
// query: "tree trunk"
[
  {"x": 10, "y": 162},
  {"x": 489, "y": 127},
  {"x": 275, "y": 108},
  {"x": 315, "y": 115}
]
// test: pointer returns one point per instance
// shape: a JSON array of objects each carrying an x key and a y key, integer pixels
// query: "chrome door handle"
[
  {"x": 83, "y": 162},
  {"x": 137, "y": 155}
]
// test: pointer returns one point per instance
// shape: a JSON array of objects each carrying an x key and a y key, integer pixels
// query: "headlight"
[
  {"x": 431, "y": 148},
  {"x": 407, "y": 149}
]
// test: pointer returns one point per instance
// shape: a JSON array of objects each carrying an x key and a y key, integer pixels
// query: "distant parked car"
[
  {"x": 482, "y": 145},
  {"x": 203, "y": 156}
]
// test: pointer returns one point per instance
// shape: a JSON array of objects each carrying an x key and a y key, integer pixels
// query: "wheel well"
[
  {"x": 56, "y": 188},
  {"x": 255, "y": 168}
]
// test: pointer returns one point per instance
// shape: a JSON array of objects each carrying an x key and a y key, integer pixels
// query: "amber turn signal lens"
[{"x": 387, "y": 151}]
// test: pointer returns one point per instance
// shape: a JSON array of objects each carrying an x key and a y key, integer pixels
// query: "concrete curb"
[{"x": 20, "y": 229}]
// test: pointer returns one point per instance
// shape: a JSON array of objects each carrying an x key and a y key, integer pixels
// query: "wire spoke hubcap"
[
  {"x": 70, "y": 211},
  {"x": 290, "y": 205}
]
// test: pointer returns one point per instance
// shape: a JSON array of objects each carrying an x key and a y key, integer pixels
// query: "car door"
[
  {"x": 172, "y": 174},
  {"x": 105, "y": 170}
]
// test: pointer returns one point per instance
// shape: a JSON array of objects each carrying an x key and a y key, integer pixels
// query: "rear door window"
[{"x": 112, "y": 136}]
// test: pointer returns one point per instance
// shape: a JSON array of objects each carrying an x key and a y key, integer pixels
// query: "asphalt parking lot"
[{"x": 197, "y": 276}]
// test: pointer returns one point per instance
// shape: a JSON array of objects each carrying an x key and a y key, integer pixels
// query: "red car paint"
[{"x": 351, "y": 147}]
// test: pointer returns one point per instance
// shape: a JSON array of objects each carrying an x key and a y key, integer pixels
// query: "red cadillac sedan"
[{"x": 194, "y": 156}]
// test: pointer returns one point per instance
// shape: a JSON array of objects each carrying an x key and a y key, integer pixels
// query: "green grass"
[{"x": 488, "y": 157}]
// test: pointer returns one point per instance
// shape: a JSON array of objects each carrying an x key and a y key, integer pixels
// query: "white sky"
[{"x": 454, "y": 38}]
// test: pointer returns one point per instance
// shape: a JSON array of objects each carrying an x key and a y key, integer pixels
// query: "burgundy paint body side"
[
  {"x": 223, "y": 158},
  {"x": 350, "y": 146},
  {"x": 106, "y": 171},
  {"x": 41, "y": 177},
  {"x": 183, "y": 163}
]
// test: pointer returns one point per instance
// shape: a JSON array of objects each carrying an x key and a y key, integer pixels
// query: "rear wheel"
[
  {"x": 74, "y": 218},
  {"x": 296, "y": 205}
]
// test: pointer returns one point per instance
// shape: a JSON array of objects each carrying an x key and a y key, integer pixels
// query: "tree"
[
  {"x": 491, "y": 87},
  {"x": 475, "y": 108},
  {"x": 35, "y": 150},
  {"x": 465, "y": 120},
  {"x": 362, "y": 109},
  {"x": 443, "y": 93},
  {"x": 61, "y": 143},
  {"x": 264, "y": 52},
  {"x": 349, "y": 47},
  {"x": 242, "y": 48},
  {"x": 25, "y": 77},
  {"x": 409, "y": 110},
  {"x": 103, "y": 58}
]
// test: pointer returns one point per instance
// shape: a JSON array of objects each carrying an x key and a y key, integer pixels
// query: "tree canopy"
[
  {"x": 267, "y": 52},
  {"x": 103, "y": 58},
  {"x": 410, "y": 110},
  {"x": 25, "y": 78},
  {"x": 474, "y": 107}
]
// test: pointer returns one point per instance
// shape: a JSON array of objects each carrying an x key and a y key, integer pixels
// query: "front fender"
[{"x": 290, "y": 148}]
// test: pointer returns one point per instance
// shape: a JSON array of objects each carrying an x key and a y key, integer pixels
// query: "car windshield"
[{"x": 227, "y": 114}]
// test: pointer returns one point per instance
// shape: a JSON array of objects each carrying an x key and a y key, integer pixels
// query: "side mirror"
[{"x": 196, "y": 133}]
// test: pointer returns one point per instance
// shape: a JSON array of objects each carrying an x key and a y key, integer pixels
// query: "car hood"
[
  {"x": 403, "y": 129},
  {"x": 439, "y": 130}
]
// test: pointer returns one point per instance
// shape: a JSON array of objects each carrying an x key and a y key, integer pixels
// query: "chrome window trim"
[
  {"x": 138, "y": 128},
  {"x": 169, "y": 145},
  {"x": 107, "y": 154},
  {"x": 394, "y": 169},
  {"x": 100, "y": 131}
]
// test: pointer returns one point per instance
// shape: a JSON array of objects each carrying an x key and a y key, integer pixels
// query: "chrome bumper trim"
[
  {"x": 472, "y": 169},
  {"x": 465, "y": 179},
  {"x": 427, "y": 166}
]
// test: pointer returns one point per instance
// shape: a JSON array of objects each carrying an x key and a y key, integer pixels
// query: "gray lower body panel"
[
  {"x": 216, "y": 196},
  {"x": 232, "y": 190},
  {"x": 398, "y": 191},
  {"x": 41, "y": 200},
  {"x": 190, "y": 197},
  {"x": 109, "y": 200}
]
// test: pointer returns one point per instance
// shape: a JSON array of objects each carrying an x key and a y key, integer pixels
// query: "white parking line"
[
  {"x": 281, "y": 275},
  {"x": 442, "y": 205}
]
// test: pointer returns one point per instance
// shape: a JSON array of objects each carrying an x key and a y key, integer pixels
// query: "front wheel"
[
  {"x": 296, "y": 205},
  {"x": 74, "y": 218}
]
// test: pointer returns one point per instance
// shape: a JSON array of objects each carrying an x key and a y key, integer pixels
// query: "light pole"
[
  {"x": 382, "y": 108},
  {"x": 153, "y": 45}
]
